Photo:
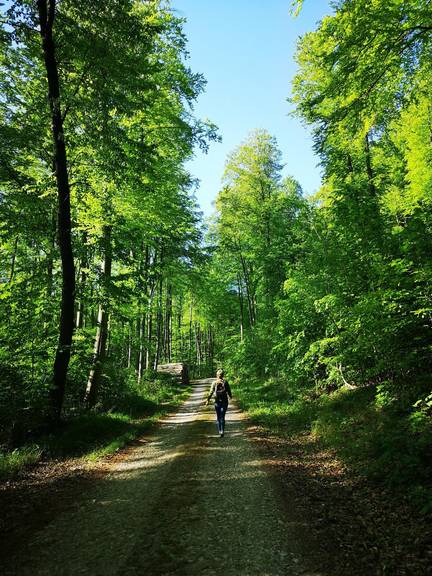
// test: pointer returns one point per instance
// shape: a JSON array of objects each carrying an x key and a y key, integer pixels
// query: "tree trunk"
[
  {"x": 159, "y": 324},
  {"x": 249, "y": 293},
  {"x": 179, "y": 350},
  {"x": 82, "y": 284},
  {"x": 240, "y": 293},
  {"x": 102, "y": 326},
  {"x": 141, "y": 332},
  {"x": 149, "y": 334},
  {"x": 142, "y": 279},
  {"x": 139, "y": 347},
  {"x": 129, "y": 348},
  {"x": 46, "y": 11},
  {"x": 211, "y": 346},
  {"x": 198, "y": 345},
  {"x": 190, "y": 332},
  {"x": 170, "y": 323},
  {"x": 167, "y": 324}
]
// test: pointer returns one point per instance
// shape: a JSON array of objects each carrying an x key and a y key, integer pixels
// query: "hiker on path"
[{"x": 221, "y": 390}]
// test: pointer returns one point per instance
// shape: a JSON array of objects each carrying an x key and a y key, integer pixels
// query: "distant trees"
[
  {"x": 362, "y": 80},
  {"x": 102, "y": 253},
  {"x": 257, "y": 233},
  {"x": 343, "y": 279},
  {"x": 95, "y": 126}
]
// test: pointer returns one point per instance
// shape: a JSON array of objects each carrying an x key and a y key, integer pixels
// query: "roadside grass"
[
  {"x": 383, "y": 444},
  {"x": 93, "y": 435},
  {"x": 11, "y": 463}
]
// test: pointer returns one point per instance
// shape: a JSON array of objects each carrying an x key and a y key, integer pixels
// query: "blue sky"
[{"x": 245, "y": 49}]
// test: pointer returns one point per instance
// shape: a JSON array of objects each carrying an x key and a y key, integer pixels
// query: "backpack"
[{"x": 220, "y": 391}]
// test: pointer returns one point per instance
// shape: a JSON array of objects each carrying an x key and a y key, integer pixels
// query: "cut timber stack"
[{"x": 178, "y": 370}]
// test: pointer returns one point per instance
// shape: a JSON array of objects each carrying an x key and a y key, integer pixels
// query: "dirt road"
[{"x": 184, "y": 502}]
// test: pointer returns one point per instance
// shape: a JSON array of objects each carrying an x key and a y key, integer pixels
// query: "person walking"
[{"x": 221, "y": 390}]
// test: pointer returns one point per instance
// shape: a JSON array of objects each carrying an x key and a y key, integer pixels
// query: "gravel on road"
[{"x": 182, "y": 502}]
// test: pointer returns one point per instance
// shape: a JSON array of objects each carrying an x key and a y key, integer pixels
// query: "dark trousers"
[{"x": 220, "y": 413}]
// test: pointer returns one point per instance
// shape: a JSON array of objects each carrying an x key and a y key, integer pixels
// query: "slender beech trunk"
[
  {"x": 141, "y": 333},
  {"x": 142, "y": 274},
  {"x": 92, "y": 315},
  {"x": 165, "y": 320},
  {"x": 190, "y": 331},
  {"x": 140, "y": 347},
  {"x": 149, "y": 337},
  {"x": 169, "y": 323},
  {"x": 198, "y": 345},
  {"x": 249, "y": 294},
  {"x": 159, "y": 319},
  {"x": 82, "y": 284},
  {"x": 151, "y": 290},
  {"x": 211, "y": 346},
  {"x": 79, "y": 322},
  {"x": 109, "y": 334},
  {"x": 46, "y": 12},
  {"x": 148, "y": 362},
  {"x": 179, "y": 340},
  {"x": 129, "y": 350},
  {"x": 102, "y": 325},
  {"x": 124, "y": 344},
  {"x": 240, "y": 293},
  {"x": 204, "y": 346}
]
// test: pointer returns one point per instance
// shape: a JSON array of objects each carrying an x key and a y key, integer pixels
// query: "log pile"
[{"x": 178, "y": 370}]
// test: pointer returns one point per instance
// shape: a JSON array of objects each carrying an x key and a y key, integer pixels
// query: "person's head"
[{"x": 220, "y": 374}]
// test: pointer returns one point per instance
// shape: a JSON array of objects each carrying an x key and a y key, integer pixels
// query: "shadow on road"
[{"x": 184, "y": 501}]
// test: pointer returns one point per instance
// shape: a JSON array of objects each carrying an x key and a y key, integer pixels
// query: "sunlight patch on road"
[{"x": 147, "y": 462}]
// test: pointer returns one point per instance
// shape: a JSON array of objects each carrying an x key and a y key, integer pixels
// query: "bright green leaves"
[
  {"x": 258, "y": 235},
  {"x": 364, "y": 85},
  {"x": 127, "y": 98},
  {"x": 360, "y": 64}
]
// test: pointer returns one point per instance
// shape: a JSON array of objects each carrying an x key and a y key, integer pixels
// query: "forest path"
[{"x": 183, "y": 502}]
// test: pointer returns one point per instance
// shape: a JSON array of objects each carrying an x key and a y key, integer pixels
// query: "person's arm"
[
  {"x": 212, "y": 389},
  {"x": 228, "y": 390}
]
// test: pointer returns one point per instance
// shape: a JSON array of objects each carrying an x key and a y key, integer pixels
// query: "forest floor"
[{"x": 182, "y": 501}]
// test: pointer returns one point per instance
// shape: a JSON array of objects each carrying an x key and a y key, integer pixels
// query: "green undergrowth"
[
  {"x": 387, "y": 445},
  {"x": 12, "y": 462},
  {"x": 95, "y": 434}
]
